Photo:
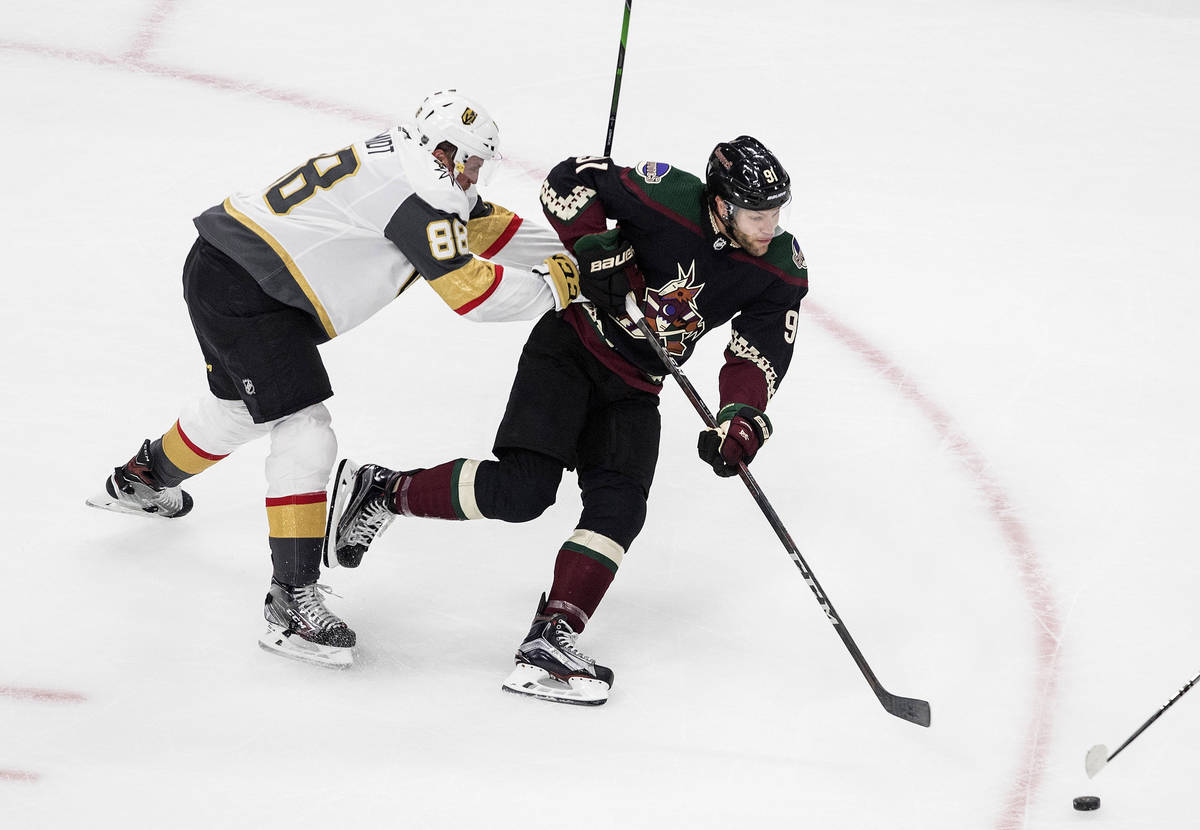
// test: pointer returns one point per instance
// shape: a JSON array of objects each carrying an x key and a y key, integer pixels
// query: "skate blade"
[
  {"x": 535, "y": 682},
  {"x": 343, "y": 486},
  {"x": 103, "y": 501},
  {"x": 278, "y": 641}
]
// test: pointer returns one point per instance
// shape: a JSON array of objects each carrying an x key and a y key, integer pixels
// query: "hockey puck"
[{"x": 1087, "y": 802}]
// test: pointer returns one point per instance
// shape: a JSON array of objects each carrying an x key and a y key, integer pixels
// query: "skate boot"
[
  {"x": 301, "y": 627},
  {"x": 359, "y": 511},
  {"x": 134, "y": 489},
  {"x": 551, "y": 667}
]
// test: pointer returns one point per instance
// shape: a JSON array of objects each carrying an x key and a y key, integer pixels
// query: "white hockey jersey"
[{"x": 345, "y": 233}]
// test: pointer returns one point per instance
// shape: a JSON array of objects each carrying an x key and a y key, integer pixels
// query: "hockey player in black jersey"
[{"x": 697, "y": 255}]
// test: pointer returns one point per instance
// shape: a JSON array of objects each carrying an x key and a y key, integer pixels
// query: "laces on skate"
[
  {"x": 312, "y": 605},
  {"x": 373, "y": 520}
]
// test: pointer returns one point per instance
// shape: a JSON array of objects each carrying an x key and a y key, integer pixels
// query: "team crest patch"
[
  {"x": 469, "y": 115},
  {"x": 798, "y": 255},
  {"x": 653, "y": 171},
  {"x": 671, "y": 310}
]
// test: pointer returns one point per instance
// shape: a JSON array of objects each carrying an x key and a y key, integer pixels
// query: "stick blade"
[
  {"x": 906, "y": 708},
  {"x": 1095, "y": 760}
]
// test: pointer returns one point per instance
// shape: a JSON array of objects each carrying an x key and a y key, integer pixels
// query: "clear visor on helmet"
[
  {"x": 761, "y": 223},
  {"x": 476, "y": 169}
]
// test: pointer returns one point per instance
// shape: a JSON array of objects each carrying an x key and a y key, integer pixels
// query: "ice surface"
[{"x": 986, "y": 446}]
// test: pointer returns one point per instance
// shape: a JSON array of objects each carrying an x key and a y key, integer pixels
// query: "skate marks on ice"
[{"x": 33, "y": 695}]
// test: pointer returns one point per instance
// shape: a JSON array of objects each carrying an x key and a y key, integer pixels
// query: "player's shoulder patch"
[
  {"x": 786, "y": 258},
  {"x": 669, "y": 187},
  {"x": 798, "y": 255},
  {"x": 652, "y": 172}
]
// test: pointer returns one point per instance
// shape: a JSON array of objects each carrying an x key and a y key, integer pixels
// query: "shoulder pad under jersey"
[{"x": 429, "y": 179}]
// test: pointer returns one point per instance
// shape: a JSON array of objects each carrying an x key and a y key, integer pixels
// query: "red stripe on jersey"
[
  {"x": 482, "y": 298},
  {"x": 508, "y": 234},
  {"x": 301, "y": 498},
  {"x": 196, "y": 449}
]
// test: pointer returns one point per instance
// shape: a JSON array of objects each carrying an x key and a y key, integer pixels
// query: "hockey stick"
[
  {"x": 612, "y": 113},
  {"x": 909, "y": 709},
  {"x": 1096, "y": 760}
]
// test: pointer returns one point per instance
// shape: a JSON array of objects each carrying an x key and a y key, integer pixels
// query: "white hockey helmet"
[{"x": 451, "y": 116}]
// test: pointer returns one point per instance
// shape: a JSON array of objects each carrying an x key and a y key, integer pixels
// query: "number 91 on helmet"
[{"x": 748, "y": 190}]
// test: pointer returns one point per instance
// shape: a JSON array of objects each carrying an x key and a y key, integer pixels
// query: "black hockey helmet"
[{"x": 746, "y": 174}]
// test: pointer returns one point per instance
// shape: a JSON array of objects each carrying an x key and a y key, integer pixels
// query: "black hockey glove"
[
  {"x": 740, "y": 431},
  {"x": 608, "y": 271}
]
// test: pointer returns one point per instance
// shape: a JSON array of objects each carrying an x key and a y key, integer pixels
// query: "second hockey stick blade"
[{"x": 910, "y": 709}]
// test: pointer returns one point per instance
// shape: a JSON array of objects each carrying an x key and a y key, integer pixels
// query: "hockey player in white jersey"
[{"x": 279, "y": 270}]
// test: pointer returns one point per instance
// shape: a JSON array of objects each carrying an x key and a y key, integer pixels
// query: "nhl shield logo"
[{"x": 469, "y": 115}]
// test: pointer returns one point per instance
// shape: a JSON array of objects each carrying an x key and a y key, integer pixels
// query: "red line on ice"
[
  {"x": 41, "y": 695},
  {"x": 148, "y": 33},
  {"x": 1016, "y": 536},
  {"x": 1020, "y": 549},
  {"x": 283, "y": 96},
  {"x": 18, "y": 775},
  {"x": 214, "y": 81}
]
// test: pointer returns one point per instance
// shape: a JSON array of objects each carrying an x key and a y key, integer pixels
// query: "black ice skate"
[
  {"x": 301, "y": 627},
  {"x": 550, "y": 667},
  {"x": 358, "y": 512},
  {"x": 133, "y": 488}
]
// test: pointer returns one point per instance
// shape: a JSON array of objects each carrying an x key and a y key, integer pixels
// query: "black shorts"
[
  {"x": 566, "y": 404},
  {"x": 257, "y": 349}
]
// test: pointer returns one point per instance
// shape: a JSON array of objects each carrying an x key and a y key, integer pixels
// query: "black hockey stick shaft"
[
  {"x": 1155, "y": 716},
  {"x": 910, "y": 709},
  {"x": 612, "y": 113}
]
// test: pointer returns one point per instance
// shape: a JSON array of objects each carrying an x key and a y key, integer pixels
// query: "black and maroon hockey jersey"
[{"x": 697, "y": 278}]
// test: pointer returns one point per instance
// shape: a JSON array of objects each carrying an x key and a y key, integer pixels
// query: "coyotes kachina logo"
[{"x": 671, "y": 310}]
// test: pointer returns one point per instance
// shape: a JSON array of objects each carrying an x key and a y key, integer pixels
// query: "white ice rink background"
[{"x": 986, "y": 445}]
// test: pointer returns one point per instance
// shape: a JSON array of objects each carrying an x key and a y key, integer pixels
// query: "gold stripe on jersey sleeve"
[
  {"x": 486, "y": 231},
  {"x": 293, "y": 269},
  {"x": 465, "y": 288}
]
